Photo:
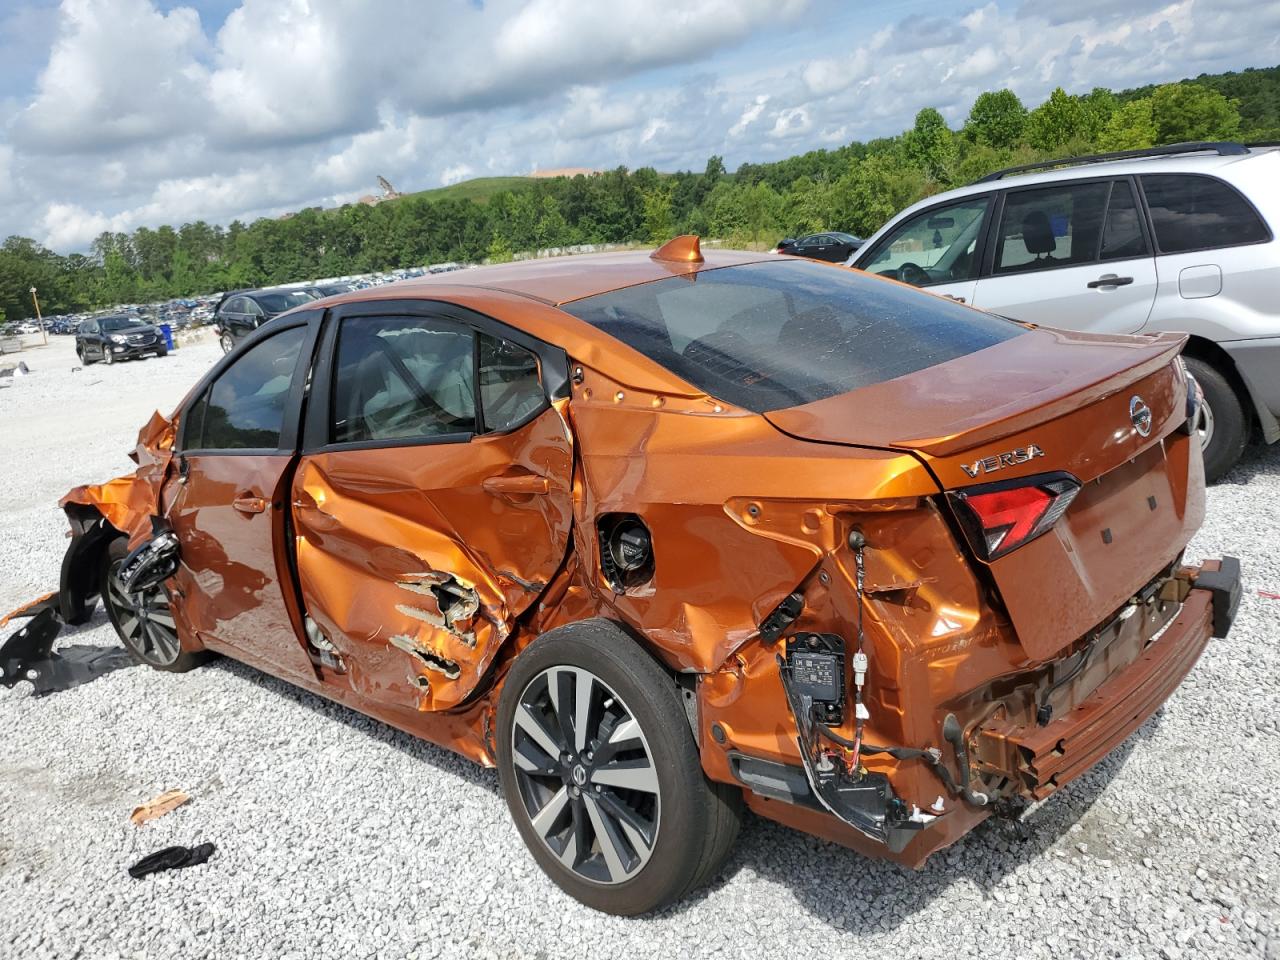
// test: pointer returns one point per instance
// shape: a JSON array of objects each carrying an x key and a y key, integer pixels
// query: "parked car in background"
[
  {"x": 120, "y": 337},
  {"x": 1179, "y": 238},
  {"x": 28, "y": 326},
  {"x": 241, "y": 312},
  {"x": 322, "y": 290},
  {"x": 918, "y": 594},
  {"x": 831, "y": 246}
]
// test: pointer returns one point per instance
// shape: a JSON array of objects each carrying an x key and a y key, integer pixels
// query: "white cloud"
[{"x": 749, "y": 115}]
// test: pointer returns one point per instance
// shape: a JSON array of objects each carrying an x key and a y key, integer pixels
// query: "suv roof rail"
[{"x": 1221, "y": 148}]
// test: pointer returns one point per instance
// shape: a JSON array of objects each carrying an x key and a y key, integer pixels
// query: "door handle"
[
  {"x": 952, "y": 296},
  {"x": 1109, "y": 280},
  {"x": 249, "y": 504},
  {"x": 523, "y": 484}
]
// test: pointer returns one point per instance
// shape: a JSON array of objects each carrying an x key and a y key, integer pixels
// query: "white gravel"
[{"x": 339, "y": 837}]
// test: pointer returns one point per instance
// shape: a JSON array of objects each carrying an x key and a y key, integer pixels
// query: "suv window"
[
  {"x": 770, "y": 335},
  {"x": 244, "y": 408},
  {"x": 1122, "y": 236},
  {"x": 1051, "y": 227},
  {"x": 1197, "y": 213},
  {"x": 402, "y": 378},
  {"x": 934, "y": 246},
  {"x": 509, "y": 387},
  {"x": 234, "y": 305}
]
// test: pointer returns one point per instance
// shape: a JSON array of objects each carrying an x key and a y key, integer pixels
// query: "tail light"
[{"x": 998, "y": 518}]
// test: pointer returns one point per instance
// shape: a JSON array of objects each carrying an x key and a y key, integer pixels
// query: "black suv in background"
[
  {"x": 117, "y": 338},
  {"x": 241, "y": 312},
  {"x": 831, "y": 246}
]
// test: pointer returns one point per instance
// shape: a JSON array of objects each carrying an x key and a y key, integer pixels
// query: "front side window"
[
  {"x": 402, "y": 378},
  {"x": 280, "y": 302},
  {"x": 770, "y": 335},
  {"x": 244, "y": 408},
  {"x": 938, "y": 245},
  {"x": 1051, "y": 227},
  {"x": 1199, "y": 213}
]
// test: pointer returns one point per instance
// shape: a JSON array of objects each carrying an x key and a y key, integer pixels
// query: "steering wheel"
[{"x": 913, "y": 274}]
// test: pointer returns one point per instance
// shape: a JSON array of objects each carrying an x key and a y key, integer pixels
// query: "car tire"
[
  {"x": 162, "y": 352},
  {"x": 227, "y": 343},
  {"x": 1224, "y": 424},
  {"x": 84, "y": 360},
  {"x": 107, "y": 356},
  {"x": 144, "y": 622},
  {"x": 688, "y": 823}
]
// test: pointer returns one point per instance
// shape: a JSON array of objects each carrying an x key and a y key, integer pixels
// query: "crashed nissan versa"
[{"x": 658, "y": 535}]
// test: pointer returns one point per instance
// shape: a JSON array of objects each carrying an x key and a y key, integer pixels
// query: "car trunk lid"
[{"x": 1041, "y": 407}]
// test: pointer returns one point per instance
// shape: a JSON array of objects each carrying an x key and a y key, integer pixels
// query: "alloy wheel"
[
  {"x": 586, "y": 775},
  {"x": 107, "y": 357},
  {"x": 227, "y": 342},
  {"x": 144, "y": 620}
]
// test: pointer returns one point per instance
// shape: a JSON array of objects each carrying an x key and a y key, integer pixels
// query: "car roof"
[{"x": 558, "y": 280}]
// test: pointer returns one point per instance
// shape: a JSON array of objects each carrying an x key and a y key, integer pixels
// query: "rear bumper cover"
[{"x": 1051, "y": 756}]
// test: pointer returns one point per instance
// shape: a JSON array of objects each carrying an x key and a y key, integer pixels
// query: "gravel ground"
[{"x": 339, "y": 837}]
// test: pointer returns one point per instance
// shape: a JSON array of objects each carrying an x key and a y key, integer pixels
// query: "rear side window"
[
  {"x": 1122, "y": 236},
  {"x": 1051, "y": 227},
  {"x": 244, "y": 408},
  {"x": 1199, "y": 213},
  {"x": 402, "y": 378},
  {"x": 510, "y": 391},
  {"x": 770, "y": 335}
]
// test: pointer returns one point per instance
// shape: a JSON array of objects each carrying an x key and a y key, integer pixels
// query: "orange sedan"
[{"x": 660, "y": 535}]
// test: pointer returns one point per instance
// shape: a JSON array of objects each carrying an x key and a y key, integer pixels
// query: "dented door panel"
[{"x": 416, "y": 561}]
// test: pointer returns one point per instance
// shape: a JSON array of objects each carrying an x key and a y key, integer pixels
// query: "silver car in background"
[{"x": 1180, "y": 238}]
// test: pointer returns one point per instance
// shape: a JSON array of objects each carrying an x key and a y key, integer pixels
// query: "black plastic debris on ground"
[
  {"x": 29, "y": 655},
  {"x": 171, "y": 858}
]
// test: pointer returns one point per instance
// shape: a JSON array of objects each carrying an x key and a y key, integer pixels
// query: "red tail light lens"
[{"x": 999, "y": 518}]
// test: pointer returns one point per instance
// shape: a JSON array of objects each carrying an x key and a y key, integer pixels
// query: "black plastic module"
[{"x": 816, "y": 665}]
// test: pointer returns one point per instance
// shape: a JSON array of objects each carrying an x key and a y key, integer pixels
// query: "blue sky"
[{"x": 121, "y": 113}]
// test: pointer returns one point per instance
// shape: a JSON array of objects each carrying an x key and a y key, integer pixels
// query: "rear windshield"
[
  {"x": 770, "y": 335},
  {"x": 280, "y": 302}
]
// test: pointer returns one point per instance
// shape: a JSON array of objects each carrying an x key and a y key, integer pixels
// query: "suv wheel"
[
  {"x": 1224, "y": 425},
  {"x": 601, "y": 774},
  {"x": 107, "y": 356},
  {"x": 227, "y": 343}
]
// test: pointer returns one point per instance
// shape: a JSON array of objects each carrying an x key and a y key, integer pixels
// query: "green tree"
[
  {"x": 931, "y": 146},
  {"x": 500, "y": 249},
  {"x": 1056, "y": 122},
  {"x": 996, "y": 120},
  {"x": 1131, "y": 127},
  {"x": 657, "y": 214},
  {"x": 1187, "y": 111}
]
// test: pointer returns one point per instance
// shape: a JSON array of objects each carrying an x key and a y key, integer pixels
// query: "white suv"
[{"x": 1173, "y": 238}]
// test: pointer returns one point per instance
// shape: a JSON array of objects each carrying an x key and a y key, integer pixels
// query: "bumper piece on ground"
[
  {"x": 29, "y": 656},
  {"x": 1224, "y": 584}
]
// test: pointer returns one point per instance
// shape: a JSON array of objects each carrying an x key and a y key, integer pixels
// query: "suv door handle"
[
  {"x": 522, "y": 484},
  {"x": 249, "y": 504},
  {"x": 1109, "y": 280},
  {"x": 952, "y": 296}
]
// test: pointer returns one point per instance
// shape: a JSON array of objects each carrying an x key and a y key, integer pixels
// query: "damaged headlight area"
[{"x": 150, "y": 563}]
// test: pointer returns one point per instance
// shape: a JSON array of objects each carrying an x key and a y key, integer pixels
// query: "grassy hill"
[{"x": 480, "y": 189}]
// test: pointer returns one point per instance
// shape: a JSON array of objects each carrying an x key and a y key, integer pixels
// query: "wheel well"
[
  {"x": 91, "y": 535},
  {"x": 1211, "y": 353}
]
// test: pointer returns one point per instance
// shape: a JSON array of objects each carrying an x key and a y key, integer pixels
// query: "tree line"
[{"x": 853, "y": 188}]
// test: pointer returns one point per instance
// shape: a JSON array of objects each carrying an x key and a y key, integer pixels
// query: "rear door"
[
  {"x": 1074, "y": 255},
  {"x": 938, "y": 249},
  {"x": 227, "y": 501},
  {"x": 432, "y": 503}
]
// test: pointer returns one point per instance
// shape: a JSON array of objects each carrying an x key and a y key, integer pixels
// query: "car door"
[
  {"x": 432, "y": 502},
  {"x": 1074, "y": 255},
  {"x": 227, "y": 500},
  {"x": 938, "y": 249},
  {"x": 818, "y": 247}
]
